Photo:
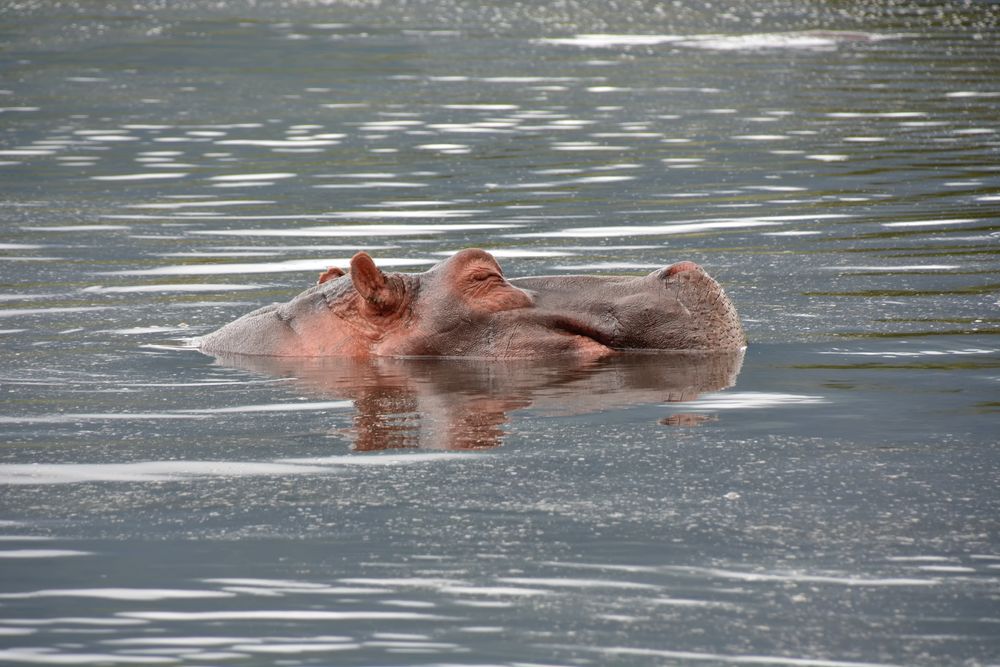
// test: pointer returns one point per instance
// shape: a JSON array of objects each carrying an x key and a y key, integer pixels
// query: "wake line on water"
[
  {"x": 159, "y": 471},
  {"x": 801, "y": 40},
  {"x": 721, "y": 657}
]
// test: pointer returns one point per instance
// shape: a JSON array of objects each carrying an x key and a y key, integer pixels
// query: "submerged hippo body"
[{"x": 464, "y": 307}]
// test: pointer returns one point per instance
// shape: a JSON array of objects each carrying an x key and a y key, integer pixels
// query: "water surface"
[{"x": 829, "y": 499}]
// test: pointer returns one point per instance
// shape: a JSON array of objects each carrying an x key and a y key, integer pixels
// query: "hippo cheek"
[{"x": 532, "y": 334}]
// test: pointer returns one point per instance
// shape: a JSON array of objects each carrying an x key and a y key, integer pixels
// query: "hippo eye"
[{"x": 484, "y": 275}]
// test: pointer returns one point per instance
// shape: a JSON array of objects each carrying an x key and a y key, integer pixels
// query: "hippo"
[{"x": 465, "y": 307}]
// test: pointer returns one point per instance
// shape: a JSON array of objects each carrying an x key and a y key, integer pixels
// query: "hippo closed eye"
[{"x": 465, "y": 307}]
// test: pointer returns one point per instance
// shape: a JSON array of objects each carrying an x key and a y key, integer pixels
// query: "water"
[{"x": 829, "y": 499}]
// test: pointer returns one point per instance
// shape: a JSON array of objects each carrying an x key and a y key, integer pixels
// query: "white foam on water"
[
  {"x": 403, "y": 582},
  {"x": 253, "y": 177},
  {"x": 485, "y": 629},
  {"x": 893, "y": 354},
  {"x": 154, "y": 471},
  {"x": 513, "y": 253},
  {"x": 765, "y": 41},
  {"x": 140, "y": 594},
  {"x": 287, "y": 266},
  {"x": 16, "y": 632},
  {"x": 138, "y": 331},
  {"x": 274, "y": 407},
  {"x": 647, "y": 230},
  {"x": 687, "y": 602},
  {"x": 947, "y": 569},
  {"x": 684, "y": 227},
  {"x": 367, "y": 185},
  {"x": 482, "y": 107},
  {"x": 800, "y": 577},
  {"x": 74, "y": 620},
  {"x": 359, "y": 230},
  {"x": 26, "y": 312},
  {"x": 398, "y": 646},
  {"x": 383, "y": 459},
  {"x": 141, "y": 177},
  {"x": 562, "y": 182},
  {"x": 972, "y": 93},
  {"x": 411, "y": 203},
  {"x": 304, "y": 142},
  {"x": 181, "y": 641},
  {"x": 586, "y": 146},
  {"x": 761, "y": 137},
  {"x": 606, "y": 266},
  {"x": 148, "y": 471},
  {"x": 721, "y": 658},
  {"x": 26, "y": 152},
  {"x": 323, "y": 590},
  {"x": 974, "y": 130},
  {"x": 576, "y": 249},
  {"x": 48, "y": 656},
  {"x": 931, "y": 223},
  {"x": 173, "y": 287},
  {"x": 395, "y": 214},
  {"x": 287, "y": 584},
  {"x": 361, "y": 175},
  {"x": 202, "y": 203},
  {"x": 26, "y": 538},
  {"x": 294, "y": 649},
  {"x": 76, "y": 228},
  {"x": 20, "y": 246},
  {"x": 443, "y": 147},
  {"x": 83, "y": 417},
  {"x": 243, "y": 184},
  {"x": 751, "y": 400},
  {"x": 111, "y": 137},
  {"x": 566, "y": 582},
  {"x": 598, "y": 40},
  {"x": 483, "y": 604},
  {"x": 497, "y": 591},
  {"x": 42, "y": 553},
  {"x": 892, "y": 269},
  {"x": 283, "y": 615},
  {"x": 828, "y": 157}
]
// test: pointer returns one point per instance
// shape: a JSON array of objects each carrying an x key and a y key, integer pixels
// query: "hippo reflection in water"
[
  {"x": 465, "y": 403},
  {"x": 464, "y": 307}
]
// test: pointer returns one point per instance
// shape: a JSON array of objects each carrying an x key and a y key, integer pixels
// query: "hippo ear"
[
  {"x": 329, "y": 274},
  {"x": 379, "y": 291}
]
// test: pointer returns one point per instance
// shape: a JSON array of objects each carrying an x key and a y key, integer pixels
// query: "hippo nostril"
[{"x": 680, "y": 267}]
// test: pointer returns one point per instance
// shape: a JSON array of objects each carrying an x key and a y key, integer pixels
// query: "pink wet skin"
[
  {"x": 681, "y": 267},
  {"x": 465, "y": 307}
]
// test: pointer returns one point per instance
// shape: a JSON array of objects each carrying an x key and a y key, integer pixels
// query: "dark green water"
[{"x": 166, "y": 167}]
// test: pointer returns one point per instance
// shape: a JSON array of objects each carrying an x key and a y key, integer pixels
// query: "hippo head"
[{"x": 465, "y": 307}]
